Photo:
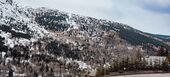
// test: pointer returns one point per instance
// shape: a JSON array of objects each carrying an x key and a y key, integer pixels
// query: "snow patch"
[{"x": 83, "y": 65}]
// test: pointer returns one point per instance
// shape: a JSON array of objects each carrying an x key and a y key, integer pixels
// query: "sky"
[{"x": 152, "y": 16}]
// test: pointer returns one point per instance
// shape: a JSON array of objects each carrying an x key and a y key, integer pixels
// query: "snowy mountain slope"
[
  {"x": 93, "y": 28},
  {"x": 19, "y": 22},
  {"x": 77, "y": 43}
]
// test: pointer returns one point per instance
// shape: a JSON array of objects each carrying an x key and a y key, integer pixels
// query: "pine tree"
[
  {"x": 165, "y": 65},
  {"x": 151, "y": 64},
  {"x": 162, "y": 51},
  {"x": 144, "y": 63}
]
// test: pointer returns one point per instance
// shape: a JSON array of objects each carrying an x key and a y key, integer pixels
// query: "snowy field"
[{"x": 147, "y": 75}]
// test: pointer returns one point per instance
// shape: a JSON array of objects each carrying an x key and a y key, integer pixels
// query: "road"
[{"x": 146, "y": 75}]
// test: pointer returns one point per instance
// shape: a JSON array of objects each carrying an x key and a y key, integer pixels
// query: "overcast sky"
[{"x": 151, "y": 16}]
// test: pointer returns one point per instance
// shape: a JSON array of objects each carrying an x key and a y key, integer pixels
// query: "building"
[{"x": 154, "y": 60}]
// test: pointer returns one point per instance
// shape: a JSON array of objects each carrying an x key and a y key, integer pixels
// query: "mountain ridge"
[{"x": 78, "y": 42}]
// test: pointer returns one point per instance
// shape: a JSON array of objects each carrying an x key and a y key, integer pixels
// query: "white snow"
[
  {"x": 8, "y": 59},
  {"x": 130, "y": 48},
  {"x": 9, "y": 41},
  {"x": 12, "y": 11},
  {"x": 83, "y": 65},
  {"x": 75, "y": 26},
  {"x": 72, "y": 22},
  {"x": 3, "y": 55},
  {"x": 4, "y": 34},
  {"x": 18, "y": 31},
  {"x": 93, "y": 72},
  {"x": 20, "y": 75}
]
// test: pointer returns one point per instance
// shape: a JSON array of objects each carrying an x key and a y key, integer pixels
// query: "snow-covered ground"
[{"x": 146, "y": 75}]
